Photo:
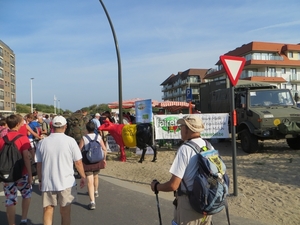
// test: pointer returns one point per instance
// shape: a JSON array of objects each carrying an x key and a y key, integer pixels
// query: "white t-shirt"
[
  {"x": 57, "y": 154},
  {"x": 185, "y": 163}
]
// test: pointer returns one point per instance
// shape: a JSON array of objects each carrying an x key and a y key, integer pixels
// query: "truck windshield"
[{"x": 271, "y": 98}]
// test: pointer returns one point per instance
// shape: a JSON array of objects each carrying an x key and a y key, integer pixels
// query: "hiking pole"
[{"x": 157, "y": 201}]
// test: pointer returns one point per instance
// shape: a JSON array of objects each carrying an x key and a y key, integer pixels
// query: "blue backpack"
[
  {"x": 211, "y": 183},
  {"x": 94, "y": 151}
]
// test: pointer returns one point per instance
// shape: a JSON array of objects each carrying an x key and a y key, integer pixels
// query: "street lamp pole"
[
  {"x": 58, "y": 107},
  {"x": 31, "y": 98},
  {"x": 119, "y": 63}
]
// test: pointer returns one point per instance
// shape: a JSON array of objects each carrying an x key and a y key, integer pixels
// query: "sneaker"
[
  {"x": 96, "y": 194},
  {"x": 92, "y": 206}
]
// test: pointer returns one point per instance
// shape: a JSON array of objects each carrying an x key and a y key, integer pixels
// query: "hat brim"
[
  {"x": 181, "y": 121},
  {"x": 194, "y": 129}
]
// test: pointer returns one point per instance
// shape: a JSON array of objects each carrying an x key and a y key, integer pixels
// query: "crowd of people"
[
  {"x": 45, "y": 146},
  {"x": 46, "y": 142}
]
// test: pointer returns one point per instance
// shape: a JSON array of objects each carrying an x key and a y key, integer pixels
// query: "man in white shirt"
[
  {"x": 184, "y": 168},
  {"x": 55, "y": 156}
]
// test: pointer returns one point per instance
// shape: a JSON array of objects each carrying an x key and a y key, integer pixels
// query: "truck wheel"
[
  {"x": 294, "y": 143},
  {"x": 249, "y": 142}
]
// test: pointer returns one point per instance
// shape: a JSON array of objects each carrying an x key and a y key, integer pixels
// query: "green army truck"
[{"x": 263, "y": 111}]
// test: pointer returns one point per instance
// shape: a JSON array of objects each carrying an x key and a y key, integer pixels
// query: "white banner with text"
[{"x": 216, "y": 126}]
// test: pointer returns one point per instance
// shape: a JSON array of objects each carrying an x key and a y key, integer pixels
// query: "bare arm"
[
  {"x": 171, "y": 185},
  {"x": 79, "y": 167},
  {"x": 103, "y": 148},
  {"x": 32, "y": 132},
  {"x": 27, "y": 163},
  {"x": 81, "y": 144}
]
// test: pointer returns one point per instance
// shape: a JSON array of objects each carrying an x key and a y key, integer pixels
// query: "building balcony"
[
  {"x": 2, "y": 97},
  {"x": 1, "y": 107},
  {"x": 1, "y": 64},
  {"x": 12, "y": 80},
  {"x": 295, "y": 78},
  {"x": 13, "y": 99},
  {"x": 246, "y": 74},
  {"x": 1, "y": 86}
]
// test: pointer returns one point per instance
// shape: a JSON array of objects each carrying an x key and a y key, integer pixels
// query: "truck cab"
[{"x": 263, "y": 112}]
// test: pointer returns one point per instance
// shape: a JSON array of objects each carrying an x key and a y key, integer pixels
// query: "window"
[
  {"x": 290, "y": 55},
  {"x": 293, "y": 71},
  {"x": 283, "y": 70},
  {"x": 271, "y": 72}
]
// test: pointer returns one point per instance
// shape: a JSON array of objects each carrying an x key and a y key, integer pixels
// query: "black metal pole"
[
  {"x": 119, "y": 63},
  {"x": 233, "y": 141}
]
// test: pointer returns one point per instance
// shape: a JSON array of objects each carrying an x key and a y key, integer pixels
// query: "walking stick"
[{"x": 157, "y": 202}]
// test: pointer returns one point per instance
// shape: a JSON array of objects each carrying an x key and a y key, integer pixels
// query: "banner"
[
  {"x": 111, "y": 144},
  {"x": 143, "y": 111},
  {"x": 216, "y": 126}
]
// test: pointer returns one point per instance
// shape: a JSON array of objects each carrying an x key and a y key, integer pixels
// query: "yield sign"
[{"x": 233, "y": 66}]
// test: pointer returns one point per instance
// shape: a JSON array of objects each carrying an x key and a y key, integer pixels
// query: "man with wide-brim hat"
[{"x": 184, "y": 168}]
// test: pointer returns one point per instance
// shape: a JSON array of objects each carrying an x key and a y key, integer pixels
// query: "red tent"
[
  {"x": 128, "y": 104},
  {"x": 173, "y": 106}
]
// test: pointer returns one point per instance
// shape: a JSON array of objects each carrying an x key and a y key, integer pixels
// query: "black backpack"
[{"x": 11, "y": 161}]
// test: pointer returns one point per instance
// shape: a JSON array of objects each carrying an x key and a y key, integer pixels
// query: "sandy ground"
[{"x": 268, "y": 182}]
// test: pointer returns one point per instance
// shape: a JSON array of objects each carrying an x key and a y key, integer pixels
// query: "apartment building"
[
  {"x": 275, "y": 63},
  {"x": 175, "y": 86},
  {"x": 7, "y": 79}
]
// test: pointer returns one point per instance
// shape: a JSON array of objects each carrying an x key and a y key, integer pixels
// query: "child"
[{"x": 3, "y": 127}]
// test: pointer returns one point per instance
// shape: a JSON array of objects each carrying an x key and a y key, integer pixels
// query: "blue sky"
[{"x": 68, "y": 47}]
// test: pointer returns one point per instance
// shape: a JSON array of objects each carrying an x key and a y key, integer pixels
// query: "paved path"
[{"x": 120, "y": 202}]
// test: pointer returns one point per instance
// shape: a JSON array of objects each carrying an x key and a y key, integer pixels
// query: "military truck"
[{"x": 263, "y": 111}]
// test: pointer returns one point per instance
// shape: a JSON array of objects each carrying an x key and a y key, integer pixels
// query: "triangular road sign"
[{"x": 233, "y": 66}]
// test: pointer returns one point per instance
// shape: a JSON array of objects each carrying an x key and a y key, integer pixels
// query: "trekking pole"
[{"x": 157, "y": 203}]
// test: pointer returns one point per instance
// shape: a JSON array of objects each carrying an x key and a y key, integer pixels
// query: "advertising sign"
[
  {"x": 143, "y": 111},
  {"x": 216, "y": 126}
]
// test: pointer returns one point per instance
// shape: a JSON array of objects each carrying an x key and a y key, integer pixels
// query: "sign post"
[
  {"x": 233, "y": 66},
  {"x": 189, "y": 98}
]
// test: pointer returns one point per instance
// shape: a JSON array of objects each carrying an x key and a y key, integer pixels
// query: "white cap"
[
  {"x": 59, "y": 121},
  {"x": 97, "y": 114}
]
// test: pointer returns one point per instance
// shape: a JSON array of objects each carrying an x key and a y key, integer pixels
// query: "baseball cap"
[
  {"x": 59, "y": 121},
  {"x": 97, "y": 114},
  {"x": 193, "y": 122}
]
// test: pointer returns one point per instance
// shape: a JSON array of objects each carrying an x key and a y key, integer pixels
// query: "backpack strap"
[
  {"x": 88, "y": 137},
  {"x": 5, "y": 138},
  {"x": 96, "y": 137},
  {"x": 197, "y": 150}
]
